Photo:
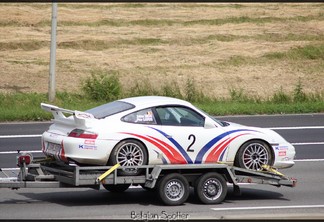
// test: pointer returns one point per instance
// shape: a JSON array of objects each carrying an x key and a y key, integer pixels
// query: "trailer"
[{"x": 170, "y": 182}]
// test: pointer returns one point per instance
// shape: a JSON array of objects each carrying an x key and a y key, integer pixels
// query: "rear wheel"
[
  {"x": 253, "y": 154},
  {"x": 129, "y": 153},
  {"x": 173, "y": 189},
  {"x": 116, "y": 188},
  {"x": 211, "y": 188}
]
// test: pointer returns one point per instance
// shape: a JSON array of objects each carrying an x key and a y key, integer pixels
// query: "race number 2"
[{"x": 193, "y": 138}]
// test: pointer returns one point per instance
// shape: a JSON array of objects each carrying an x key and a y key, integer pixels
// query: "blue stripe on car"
[
  {"x": 179, "y": 147},
  {"x": 205, "y": 149},
  {"x": 211, "y": 143},
  {"x": 222, "y": 155},
  {"x": 162, "y": 158}
]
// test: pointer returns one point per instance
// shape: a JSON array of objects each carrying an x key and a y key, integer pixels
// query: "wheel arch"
[
  {"x": 236, "y": 145},
  {"x": 133, "y": 138},
  {"x": 129, "y": 138},
  {"x": 256, "y": 139}
]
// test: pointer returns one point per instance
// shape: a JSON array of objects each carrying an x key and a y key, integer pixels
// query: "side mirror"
[{"x": 209, "y": 124}]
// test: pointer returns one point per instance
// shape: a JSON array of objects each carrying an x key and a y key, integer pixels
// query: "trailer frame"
[{"x": 209, "y": 180}]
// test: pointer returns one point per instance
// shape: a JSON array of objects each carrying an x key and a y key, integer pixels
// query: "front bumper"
[{"x": 284, "y": 155}]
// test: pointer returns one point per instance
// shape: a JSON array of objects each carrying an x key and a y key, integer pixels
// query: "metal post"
[{"x": 51, "y": 85}]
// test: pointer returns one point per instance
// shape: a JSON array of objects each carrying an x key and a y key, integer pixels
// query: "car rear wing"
[{"x": 79, "y": 118}]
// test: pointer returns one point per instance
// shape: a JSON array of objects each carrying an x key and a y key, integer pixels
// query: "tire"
[
  {"x": 211, "y": 188},
  {"x": 173, "y": 189},
  {"x": 129, "y": 153},
  {"x": 253, "y": 154},
  {"x": 116, "y": 188}
]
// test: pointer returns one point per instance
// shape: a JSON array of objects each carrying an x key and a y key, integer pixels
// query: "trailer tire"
[
  {"x": 116, "y": 188},
  {"x": 173, "y": 189},
  {"x": 211, "y": 188}
]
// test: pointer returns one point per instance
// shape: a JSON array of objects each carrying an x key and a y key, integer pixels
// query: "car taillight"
[{"x": 79, "y": 133}]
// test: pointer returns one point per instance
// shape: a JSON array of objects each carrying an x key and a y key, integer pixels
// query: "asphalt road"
[{"x": 305, "y": 201}]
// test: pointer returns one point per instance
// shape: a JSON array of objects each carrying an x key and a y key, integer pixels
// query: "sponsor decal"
[
  {"x": 281, "y": 147},
  {"x": 84, "y": 115},
  {"x": 90, "y": 142},
  {"x": 148, "y": 117},
  {"x": 87, "y": 147},
  {"x": 282, "y": 153}
]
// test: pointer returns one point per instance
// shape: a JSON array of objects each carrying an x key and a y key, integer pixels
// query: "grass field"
[
  {"x": 258, "y": 48},
  {"x": 242, "y": 53}
]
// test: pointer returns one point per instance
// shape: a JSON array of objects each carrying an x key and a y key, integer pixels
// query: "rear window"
[{"x": 109, "y": 109}]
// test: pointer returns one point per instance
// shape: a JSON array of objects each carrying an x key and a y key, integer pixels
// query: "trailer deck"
[{"x": 41, "y": 173}]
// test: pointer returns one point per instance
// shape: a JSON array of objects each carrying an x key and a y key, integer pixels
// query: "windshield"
[
  {"x": 213, "y": 118},
  {"x": 109, "y": 109}
]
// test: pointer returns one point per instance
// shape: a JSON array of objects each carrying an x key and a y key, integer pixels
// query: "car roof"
[{"x": 154, "y": 101}]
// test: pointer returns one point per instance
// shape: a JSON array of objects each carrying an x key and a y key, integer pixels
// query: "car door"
[{"x": 186, "y": 136}]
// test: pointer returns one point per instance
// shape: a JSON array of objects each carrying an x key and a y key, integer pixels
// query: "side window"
[
  {"x": 179, "y": 116},
  {"x": 166, "y": 116},
  {"x": 144, "y": 116},
  {"x": 189, "y": 117}
]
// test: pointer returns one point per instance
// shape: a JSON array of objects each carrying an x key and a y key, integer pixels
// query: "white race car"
[{"x": 159, "y": 130}]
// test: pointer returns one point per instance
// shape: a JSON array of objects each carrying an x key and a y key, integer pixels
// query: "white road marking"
[
  {"x": 296, "y": 127},
  {"x": 309, "y": 160},
  {"x": 268, "y": 207},
  {"x": 19, "y": 136},
  {"x": 310, "y": 143},
  {"x": 21, "y": 151},
  {"x": 10, "y": 169}
]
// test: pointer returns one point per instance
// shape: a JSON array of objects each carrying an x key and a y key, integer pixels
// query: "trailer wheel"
[
  {"x": 116, "y": 188},
  {"x": 173, "y": 189},
  {"x": 211, "y": 188}
]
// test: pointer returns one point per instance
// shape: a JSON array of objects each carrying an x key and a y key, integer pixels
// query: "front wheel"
[
  {"x": 129, "y": 153},
  {"x": 253, "y": 154}
]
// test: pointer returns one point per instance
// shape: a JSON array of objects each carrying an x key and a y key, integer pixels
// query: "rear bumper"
[{"x": 84, "y": 151}]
